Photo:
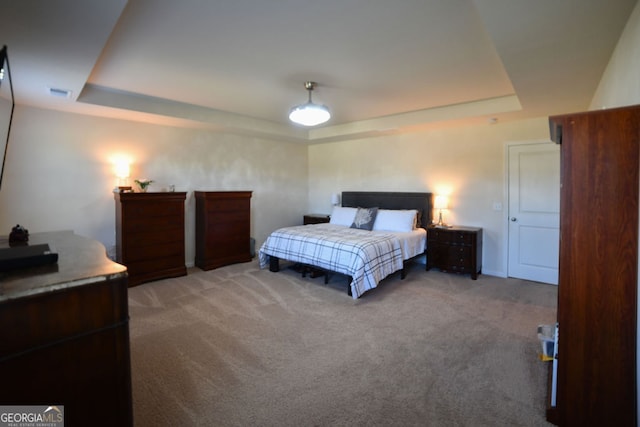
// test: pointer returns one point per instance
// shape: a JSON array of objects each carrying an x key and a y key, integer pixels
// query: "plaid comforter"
[{"x": 366, "y": 256}]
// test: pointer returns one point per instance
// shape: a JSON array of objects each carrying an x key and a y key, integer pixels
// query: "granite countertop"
[{"x": 81, "y": 261}]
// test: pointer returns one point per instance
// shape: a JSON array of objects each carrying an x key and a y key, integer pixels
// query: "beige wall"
[
  {"x": 59, "y": 173},
  {"x": 620, "y": 84},
  {"x": 465, "y": 162}
]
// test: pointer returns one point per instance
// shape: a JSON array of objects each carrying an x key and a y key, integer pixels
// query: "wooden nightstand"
[
  {"x": 455, "y": 249},
  {"x": 316, "y": 219}
]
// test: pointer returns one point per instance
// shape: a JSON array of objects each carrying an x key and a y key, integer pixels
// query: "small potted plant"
[{"x": 143, "y": 184}]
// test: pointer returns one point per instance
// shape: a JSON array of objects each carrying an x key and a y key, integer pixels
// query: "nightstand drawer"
[
  {"x": 454, "y": 237},
  {"x": 448, "y": 257},
  {"x": 458, "y": 257}
]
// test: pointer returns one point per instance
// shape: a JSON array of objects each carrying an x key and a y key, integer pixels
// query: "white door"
[{"x": 534, "y": 212}]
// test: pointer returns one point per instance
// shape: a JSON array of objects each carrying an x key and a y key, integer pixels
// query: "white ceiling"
[{"x": 240, "y": 65}]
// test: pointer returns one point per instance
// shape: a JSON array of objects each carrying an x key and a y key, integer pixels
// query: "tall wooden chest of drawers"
[
  {"x": 455, "y": 249},
  {"x": 150, "y": 235},
  {"x": 223, "y": 228}
]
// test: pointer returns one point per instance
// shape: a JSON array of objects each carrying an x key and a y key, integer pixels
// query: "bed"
[{"x": 366, "y": 252}]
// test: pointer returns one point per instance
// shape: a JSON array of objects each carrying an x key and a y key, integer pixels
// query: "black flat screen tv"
[{"x": 6, "y": 107}]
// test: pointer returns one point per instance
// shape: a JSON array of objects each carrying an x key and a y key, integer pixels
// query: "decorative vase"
[{"x": 143, "y": 184}]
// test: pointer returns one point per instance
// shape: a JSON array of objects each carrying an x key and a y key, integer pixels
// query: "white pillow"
[
  {"x": 395, "y": 220},
  {"x": 343, "y": 216}
]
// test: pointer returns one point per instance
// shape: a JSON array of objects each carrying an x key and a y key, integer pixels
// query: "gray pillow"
[{"x": 365, "y": 217}]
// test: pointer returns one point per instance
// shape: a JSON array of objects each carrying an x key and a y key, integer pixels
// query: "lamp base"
[{"x": 440, "y": 223}]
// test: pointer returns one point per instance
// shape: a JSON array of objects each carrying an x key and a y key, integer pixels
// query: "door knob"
[{"x": 514, "y": 219}]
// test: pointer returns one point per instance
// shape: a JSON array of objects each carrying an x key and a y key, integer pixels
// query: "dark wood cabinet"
[
  {"x": 150, "y": 235},
  {"x": 455, "y": 249},
  {"x": 316, "y": 219},
  {"x": 223, "y": 228},
  {"x": 597, "y": 289},
  {"x": 64, "y": 334}
]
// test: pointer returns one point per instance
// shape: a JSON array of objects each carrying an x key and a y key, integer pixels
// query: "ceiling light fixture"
[{"x": 309, "y": 114}]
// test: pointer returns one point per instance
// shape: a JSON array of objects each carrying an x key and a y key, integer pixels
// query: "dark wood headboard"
[{"x": 423, "y": 202}]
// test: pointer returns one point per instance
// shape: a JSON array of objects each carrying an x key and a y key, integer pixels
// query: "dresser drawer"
[
  {"x": 140, "y": 238},
  {"x": 154, "y": 209},
  {"x": 221, "y": 230},
  {"x": 145, "y": 266},
  {"x": 157, "y": 224},
  {"x": 223, "y": 220},
  {"x": 227, "y": 205},
  {"x": 233, "y": 246},
  {"x": 154, "y": 251}
]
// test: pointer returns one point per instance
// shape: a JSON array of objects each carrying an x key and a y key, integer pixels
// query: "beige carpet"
[{"x": 240, "y": 346}]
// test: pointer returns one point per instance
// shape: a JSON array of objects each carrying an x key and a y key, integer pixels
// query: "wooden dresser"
[
  {"x": 64, "y": 334},
  {"x": 455, "y": 249},
  {"x": 223, "y": 228},
  {"x": 598, "y": 276},
  {"x": 150, "y": 235}
]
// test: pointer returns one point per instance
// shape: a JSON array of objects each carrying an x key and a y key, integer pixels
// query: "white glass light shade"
[
  {"x": 441, "y": 202},
  {"x": 122, "y": 169},
  {"x": 309, "y": 114},
  {"x": 335, "y": 199}
]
